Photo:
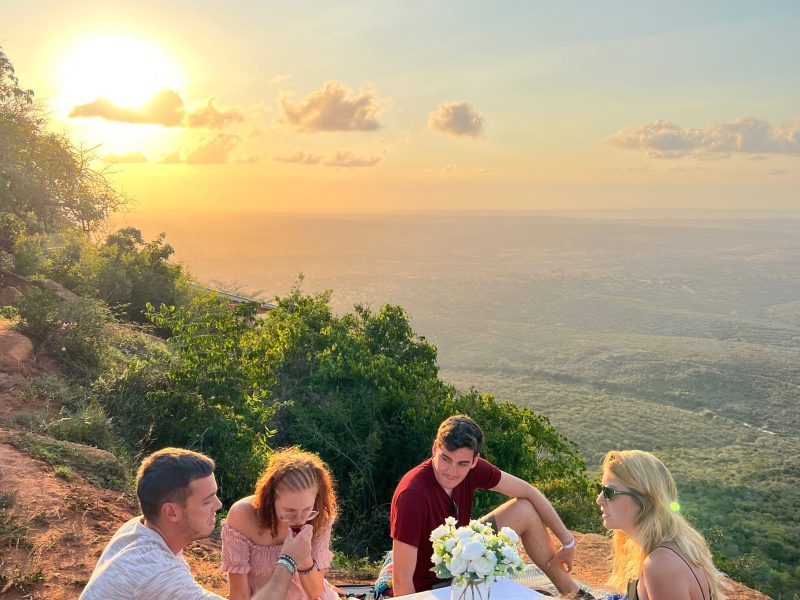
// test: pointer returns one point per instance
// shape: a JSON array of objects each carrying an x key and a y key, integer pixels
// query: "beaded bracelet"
[{"x": 309, "y": 569}]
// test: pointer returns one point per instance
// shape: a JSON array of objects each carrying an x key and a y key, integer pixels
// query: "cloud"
[
  {"x": 213, "y": 151},
  {"x": 456, "y": 119},
  {"x": 208, "y": 151},
  {"x": 342, "y": 158},
  {"x": 165, "y": 108},
  {"x": 333, "y": 108},
  {"x": 339, "y": 158},
  {"x": 748, "y": 135},
  {"x": 173, "y": 158},
  {"x": 128, "y": 157},
  {"x": 300, "y": 158},
  {"x": 210, "y": 117}
]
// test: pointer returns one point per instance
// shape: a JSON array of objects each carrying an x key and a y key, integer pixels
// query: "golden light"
[{"x": 124, "y": 70}]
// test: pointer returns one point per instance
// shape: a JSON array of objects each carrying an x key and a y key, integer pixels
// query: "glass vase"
[{"x": 471, "y": 590}]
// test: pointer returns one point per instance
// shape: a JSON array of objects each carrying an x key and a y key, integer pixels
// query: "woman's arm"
[
  {"x": 239, "y": 586},
  {"x": 313, "y": 582}
]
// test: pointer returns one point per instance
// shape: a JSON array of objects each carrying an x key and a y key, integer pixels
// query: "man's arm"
[
  {"x": 514, "y": 487},
  {"x": 404, "y": 562}
]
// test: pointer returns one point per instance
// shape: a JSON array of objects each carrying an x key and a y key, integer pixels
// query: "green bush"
[
  {"x": 75, "y": 332},
  {"x": 88, "y": 425},
  {"x": 208, "y": 396},
  {"x": 30, "y": 257},
  {"x": 9, "y": 312}
]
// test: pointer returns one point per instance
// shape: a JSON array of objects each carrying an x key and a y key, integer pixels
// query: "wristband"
[
  {"x": 288, "y": 562},
  {"x": 309, "y": 569},
  {"x": 568, "y": 546}
]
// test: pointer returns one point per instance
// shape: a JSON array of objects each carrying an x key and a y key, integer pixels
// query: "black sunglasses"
[
  {"x": 454, "y": 508},
  {"x": 609, "y": 492}
]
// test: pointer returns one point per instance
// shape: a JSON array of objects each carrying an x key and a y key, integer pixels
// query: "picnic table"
[{"x": 503, "y": 589}]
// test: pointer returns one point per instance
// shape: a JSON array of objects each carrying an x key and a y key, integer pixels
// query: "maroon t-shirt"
[{"x": 420, "y": 505}]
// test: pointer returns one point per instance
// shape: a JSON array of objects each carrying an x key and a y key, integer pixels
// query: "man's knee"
[{"x": 518, "y": 514}]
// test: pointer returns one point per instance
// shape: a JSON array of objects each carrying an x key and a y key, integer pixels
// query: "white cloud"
[
  {"x": 300, "y": 158},
  {"x": 212, "y": 151},
  {"x": 456, "y": 119},
  {"x": 748, "y": 135},
  {"x": 215, "y": 150},
  {"x": 128, "y": 158},
  {"x": 339, "y": 158},
  {"x": 345, "y": 158},
  {"x": 211, "y": 117},
  {"x": 333, "y": 108},
  {"x": 165, "y": 108}
]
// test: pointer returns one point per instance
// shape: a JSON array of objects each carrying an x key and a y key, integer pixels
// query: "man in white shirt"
[{"x": 178, "y": 496}]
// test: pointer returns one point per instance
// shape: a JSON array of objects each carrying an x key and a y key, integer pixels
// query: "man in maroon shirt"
[{"x": 444, "y": 485}]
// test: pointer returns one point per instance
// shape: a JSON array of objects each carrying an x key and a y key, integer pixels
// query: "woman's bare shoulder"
[{"x": 242, "y": 516}]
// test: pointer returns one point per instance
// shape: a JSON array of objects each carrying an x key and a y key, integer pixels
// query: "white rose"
[
  {"x": 509, "y": 554},
  {"x": 473, "y": 549},
  {"x": 439, "y": 532},
  {"x": 464, "y": 533},
  {"x": 510, "y": 534},
  {"x": 481, "y": 566},
  {"x": 457, "y": 551},
  {"x": 449, "y": 544},
  {"x": 457, "y": 566},
  {"x": 436, "y": 559}
]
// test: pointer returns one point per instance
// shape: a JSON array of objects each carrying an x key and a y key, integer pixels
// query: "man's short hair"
[
  {"x": 165, "y": 476},
  {"x": 460, "y": 431}
]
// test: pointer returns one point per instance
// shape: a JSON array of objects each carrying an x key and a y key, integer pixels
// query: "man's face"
[
  {"x": 198, "y": 515},
  {"x": 452, "y": 466}
]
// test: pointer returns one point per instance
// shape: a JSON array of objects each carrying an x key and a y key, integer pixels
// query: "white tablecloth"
[{"x": 503, "y": 589}]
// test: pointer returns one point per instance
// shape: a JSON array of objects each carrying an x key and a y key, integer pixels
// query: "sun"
[{"x": 124, "y": 70}]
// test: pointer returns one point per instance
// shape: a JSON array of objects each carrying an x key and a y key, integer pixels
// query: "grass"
[
  {"x": 67, "y": 459},
  {"x": 12, "y": 532},
  {"x": 350, "y": 568}
]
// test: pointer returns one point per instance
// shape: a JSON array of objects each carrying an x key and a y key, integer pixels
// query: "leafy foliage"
[
  {"x": 124, "y": 271},
  {"x": 45, "y": 182},
  {"x": 207, "y": 396}
]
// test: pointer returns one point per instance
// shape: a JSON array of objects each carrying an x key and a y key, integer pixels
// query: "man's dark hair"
[
  {"x": 165, "y": 476},
  {"x": 460, "y": 431}
]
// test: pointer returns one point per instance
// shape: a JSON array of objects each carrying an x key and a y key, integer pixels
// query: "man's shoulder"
[{"x": 416, "y": 480}]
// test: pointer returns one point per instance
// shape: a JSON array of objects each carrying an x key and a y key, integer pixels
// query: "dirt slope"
[{"x": 53, "y": 527}]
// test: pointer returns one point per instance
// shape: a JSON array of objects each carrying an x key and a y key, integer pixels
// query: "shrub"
[
  {"x": 74, "y": 332},
  {"x": 88, "y": 425}
]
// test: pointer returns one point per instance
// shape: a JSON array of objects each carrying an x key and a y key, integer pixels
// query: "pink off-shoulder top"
[{"x": 241, "y": 555}]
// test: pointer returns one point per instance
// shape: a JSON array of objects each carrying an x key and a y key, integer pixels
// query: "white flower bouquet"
[{"x": 474, "y": 554}]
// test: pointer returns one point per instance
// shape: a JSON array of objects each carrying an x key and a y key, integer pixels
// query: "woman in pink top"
[{"x": 295, "y": 489}]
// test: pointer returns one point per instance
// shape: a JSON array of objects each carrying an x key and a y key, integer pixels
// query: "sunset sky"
[{"x": 417, "y": 106}]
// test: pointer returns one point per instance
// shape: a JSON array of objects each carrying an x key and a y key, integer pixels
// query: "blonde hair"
[
  {"x": 657, "y": 522},
  {"x": 297, "y": 470}
]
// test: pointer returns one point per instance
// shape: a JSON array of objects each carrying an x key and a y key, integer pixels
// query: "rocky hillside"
[{"x": 60, "y": 502}]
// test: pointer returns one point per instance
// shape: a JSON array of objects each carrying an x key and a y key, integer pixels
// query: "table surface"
[{"x": 503, "y": 589}]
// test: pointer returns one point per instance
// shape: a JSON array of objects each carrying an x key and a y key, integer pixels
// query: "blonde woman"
[
  {"x": 657, "y": 554},
  {"x": 295, "y": 491}
]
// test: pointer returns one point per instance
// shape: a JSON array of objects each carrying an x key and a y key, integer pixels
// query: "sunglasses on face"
[{"x": 610, "y": 493}]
